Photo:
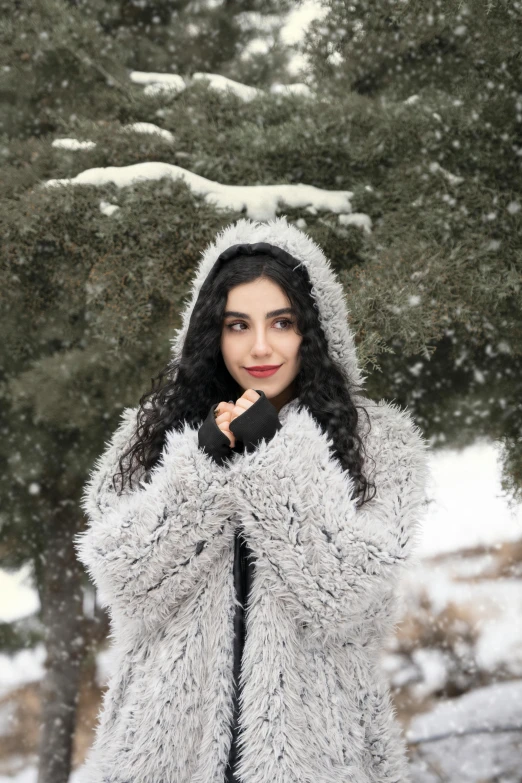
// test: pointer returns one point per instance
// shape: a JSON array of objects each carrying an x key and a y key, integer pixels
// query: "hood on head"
[{"x": 326, "y": 288}]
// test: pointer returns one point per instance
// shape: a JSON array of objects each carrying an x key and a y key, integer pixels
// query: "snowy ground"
[{"x": 473, "y": 739}]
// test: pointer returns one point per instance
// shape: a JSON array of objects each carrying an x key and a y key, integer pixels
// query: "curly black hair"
[{"x": 187, "y": 387}]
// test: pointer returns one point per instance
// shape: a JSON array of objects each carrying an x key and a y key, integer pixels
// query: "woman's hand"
[{"x": 229, "y": 411}]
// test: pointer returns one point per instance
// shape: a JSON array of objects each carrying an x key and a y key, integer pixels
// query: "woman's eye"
[{"x": 285, "y": 321}]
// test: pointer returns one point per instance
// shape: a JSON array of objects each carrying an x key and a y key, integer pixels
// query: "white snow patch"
[
  {"x": 7, "y": 717},
  {"x": 298, "y": 65},
  {"x": 158, "y": 82},
  {"x": 434, "y": 668},
  {"x": 105, "y": 665},
  {"x": 18, "y": 597},
  {"x": 30, "y": 775},
  {"x": 261, "y": 202},
  {"x": 494, "y": 607},
  {"x": 26, "y": 775},
  {"x": 299, "y": 19},
  {"x": 453, "y": 179},
  {"x": 149, "y": 127},
  {"x": 500, "y": 641},
  {"x": 107, "y": 208},
  {"x": 475, "y": 737},
  {"x": 297, "y": 88},
  {"x": 358, "y": 219},
  {"x": 483, "y": 709},
  {"x": 73, "y": 144},
  {"x": 468, "y": 507},
  {"x": 256, "y": 46},
  {"x": 22, "y": 667},
  {"x": 224, "y": 84},
  {"x": 163, "y": 82}
]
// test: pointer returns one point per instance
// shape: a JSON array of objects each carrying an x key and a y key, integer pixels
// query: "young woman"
[{"x": 247, "y": 532}]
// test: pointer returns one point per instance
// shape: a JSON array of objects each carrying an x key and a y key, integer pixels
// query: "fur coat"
[{"x": 315, "y": 705}]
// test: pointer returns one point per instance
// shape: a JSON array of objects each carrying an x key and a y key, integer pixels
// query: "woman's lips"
[{"x": 262, "y": 373}]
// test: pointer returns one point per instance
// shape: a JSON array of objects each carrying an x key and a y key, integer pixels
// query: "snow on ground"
[
  {"x": 476, "y": 737},
  {"x": 468, "y": 508},
  {"x": 497, "y": 605},
  {"x": 30, "y": 775},
  {"x": 22, "y": 667},
  {"x": 494, "y": 608}
]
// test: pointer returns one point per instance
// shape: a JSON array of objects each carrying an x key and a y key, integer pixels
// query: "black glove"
[
  {"x": 260, "y": 420},
  {"x": 212, "y": 440}
]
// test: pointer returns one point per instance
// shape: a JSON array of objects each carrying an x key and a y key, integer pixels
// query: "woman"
[{"x": 290, "y": 496}]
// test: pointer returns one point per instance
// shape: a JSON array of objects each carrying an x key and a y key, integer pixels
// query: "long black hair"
[{"x": 187, "y": 387}]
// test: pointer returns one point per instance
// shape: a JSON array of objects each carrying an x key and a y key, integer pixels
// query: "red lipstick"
[{"x": 263, "y": 371}]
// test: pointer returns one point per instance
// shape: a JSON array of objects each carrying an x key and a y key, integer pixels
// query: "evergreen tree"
[{"x": 437, "y": 86}]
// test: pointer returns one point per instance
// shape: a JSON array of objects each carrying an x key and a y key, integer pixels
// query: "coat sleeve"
[
  {"x": 148, "y": 549},
  {"x": 331, "y": 561}
]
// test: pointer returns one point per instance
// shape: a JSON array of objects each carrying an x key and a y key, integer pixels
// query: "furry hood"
[{"x": 326, "y": 289}]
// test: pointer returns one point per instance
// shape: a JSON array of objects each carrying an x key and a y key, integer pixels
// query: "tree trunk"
[{"x": 61, "y": 596}]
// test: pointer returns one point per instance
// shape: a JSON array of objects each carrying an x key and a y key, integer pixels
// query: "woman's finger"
[
  {"x": 223, "y": 422},
  {"x": 222, "y": 407},
  {"x": 228, "y": 432},
  {"x": 251, "y": 395}
]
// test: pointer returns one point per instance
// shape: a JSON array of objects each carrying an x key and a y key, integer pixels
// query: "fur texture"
[{"x": 315, "y": 706}]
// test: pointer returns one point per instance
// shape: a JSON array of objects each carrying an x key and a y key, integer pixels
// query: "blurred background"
[{"x": 131, "y": 131}]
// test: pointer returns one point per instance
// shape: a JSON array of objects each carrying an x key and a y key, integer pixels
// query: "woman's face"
[{"x": 253, "y": 335}]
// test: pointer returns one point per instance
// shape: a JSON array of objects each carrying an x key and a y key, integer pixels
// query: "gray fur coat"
[{"x": 315, "y": 703}]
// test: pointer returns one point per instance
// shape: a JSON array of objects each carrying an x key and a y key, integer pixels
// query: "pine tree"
[{"x": 433, "y": 107}]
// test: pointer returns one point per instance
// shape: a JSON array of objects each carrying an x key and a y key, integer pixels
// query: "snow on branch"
[
  {"x": 164, "y": 82},
  {"x": 133, "y": 127},
  {"x": 453, "y": 179},
  {"x": 261, "y": 202},
  {"x": 223, "y": 84},
  {"x": 359, "y": 219},
  {"x": 158, "y": 82},
  {"x": 149, "y": 127},
  {"x": 73, "y": 144}
]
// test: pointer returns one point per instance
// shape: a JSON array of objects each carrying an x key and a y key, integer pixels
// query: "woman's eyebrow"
[{"x": 271, "y": 314}]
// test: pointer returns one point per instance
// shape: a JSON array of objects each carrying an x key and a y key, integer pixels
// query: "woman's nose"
[{"x": 261, "y": 343}]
